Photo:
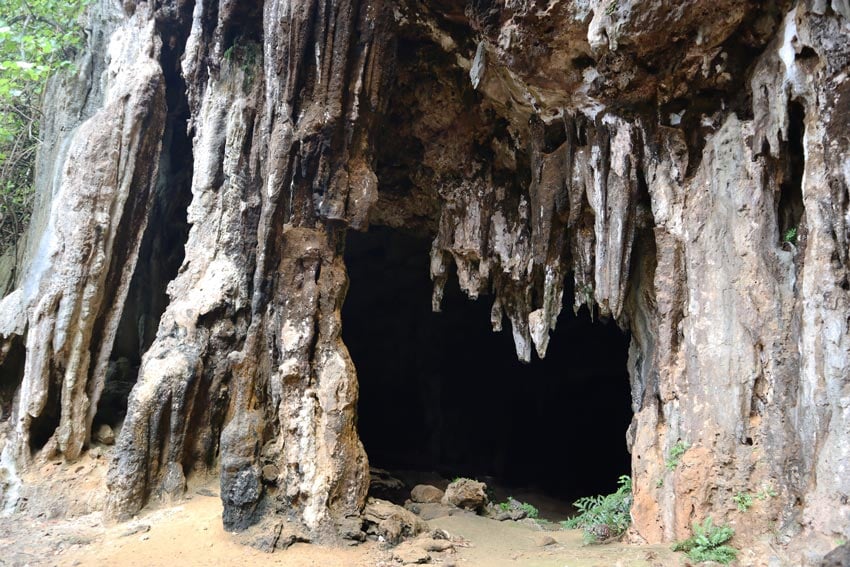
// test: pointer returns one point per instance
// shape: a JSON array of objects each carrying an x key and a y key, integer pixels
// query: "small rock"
[
  {"x": 351, "y": 528},
  {"x": 270, "y": 473},
  {"x": 105, "y": 435},
  {"x": 510, "y": 510},
  {"x": 466, "y": 493},
  {"x": 438, "y": 545},
  {"x": 546, "y": 540},
  {"x": 425, "y": 493},
  {"x": 137, "y": 529},
  {"x": 601, "y": 532},
  {"x": 411, "y": 555}
]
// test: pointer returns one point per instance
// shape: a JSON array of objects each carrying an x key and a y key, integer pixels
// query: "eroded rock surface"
[{"x": 685, "y": 163}]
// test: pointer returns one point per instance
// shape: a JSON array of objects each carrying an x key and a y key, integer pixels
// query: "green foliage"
[
  {"x": 659, "y": 483},
  {"x": 511, "y": 504},
  {"x": 530, "y": 511},
  {"x": 607, "y": 514},
  {"x": 37, "y": 38},
  {"x": 676, "y": 452},
  {"x": 708, "y": 543},
  {"x": 743, "y": 501},
  {"x": 790, "y": 235},
  {"x": 766, "y": 492}
]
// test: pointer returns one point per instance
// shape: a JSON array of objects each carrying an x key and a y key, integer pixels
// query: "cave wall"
[{"x": 650, "y": 154}]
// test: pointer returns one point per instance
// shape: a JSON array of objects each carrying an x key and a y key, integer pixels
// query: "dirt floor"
[{"x": 191, "y": 534}]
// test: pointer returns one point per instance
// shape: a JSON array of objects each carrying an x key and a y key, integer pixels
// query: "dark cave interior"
[{"x": 442, "y": 392}]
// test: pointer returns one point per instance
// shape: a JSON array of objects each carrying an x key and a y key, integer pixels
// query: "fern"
[
  {"x": 743, "y": 501},
  {"x": 608, "y": 514},
  {"x": 676, "y": 452},
  {"x": 709, "y": 543},
  {"x": 790, "y": 235}
]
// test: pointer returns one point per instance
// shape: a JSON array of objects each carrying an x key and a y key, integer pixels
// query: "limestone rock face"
[{"x": 685, "y": 163}]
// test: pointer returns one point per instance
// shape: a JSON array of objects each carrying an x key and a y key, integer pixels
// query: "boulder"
[
  {"x": 426, "y": 494},
  {"x": 391, "y": 522},
  {"x": 409, "y": 554},
  {"x": 466, "y": 493}
]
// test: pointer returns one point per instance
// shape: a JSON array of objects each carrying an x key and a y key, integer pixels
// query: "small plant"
[
  {"x": 743, "y": 501},
  {"x": 530, "y": 511},
  {"x": 675, "y": 453},
  {"x": 513, "y": 504},
  {"x": 709, "y": 543},
  {"x": 765, "y": 493},
  {"x": 790, "y": 235},
  {"x": 659, "y": 483},
  {"x": 603, "y": 517},
  {"x": 612, "y": 7}
]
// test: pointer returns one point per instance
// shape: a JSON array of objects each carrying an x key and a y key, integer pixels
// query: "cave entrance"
[{"x": 442, "y": 393}]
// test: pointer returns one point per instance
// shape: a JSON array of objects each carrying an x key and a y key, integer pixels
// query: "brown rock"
[
  {"x": 437, "y": 545},
  {"x": 409, "y": 554},
  {"x": 392, "y": 523},
  {"x": 270, "y": 473},
  {"x": 105, "y": 435},
  {"x": 466, "y": 493},
  {"x": 425, "y": 493}
]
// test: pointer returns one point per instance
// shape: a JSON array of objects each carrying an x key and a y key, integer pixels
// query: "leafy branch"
[{"x": 37, "y": 38}]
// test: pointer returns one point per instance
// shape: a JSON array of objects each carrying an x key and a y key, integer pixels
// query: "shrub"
[
  {"x": 708, "y": 543},
  {"x": 530, "y": 511},
  {"x": 603, "y": 517}
]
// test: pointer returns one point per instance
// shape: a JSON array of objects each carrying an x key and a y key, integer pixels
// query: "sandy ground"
[{"x": 191, "y": 534}]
